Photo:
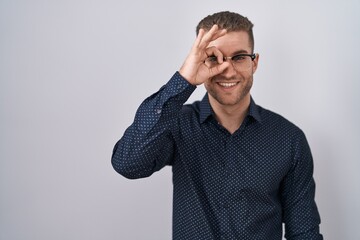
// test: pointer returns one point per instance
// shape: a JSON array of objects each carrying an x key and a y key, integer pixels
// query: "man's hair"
[{"x": 230, "y": 21}]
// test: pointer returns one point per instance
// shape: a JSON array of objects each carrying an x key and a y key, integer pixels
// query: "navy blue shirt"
[{"x": 226, "y": 186}]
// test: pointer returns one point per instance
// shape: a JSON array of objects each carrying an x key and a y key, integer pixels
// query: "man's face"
[{"x": 232, "y": 86}]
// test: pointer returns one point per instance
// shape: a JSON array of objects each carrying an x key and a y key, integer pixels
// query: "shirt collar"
[{"x": 206, "y": 109}]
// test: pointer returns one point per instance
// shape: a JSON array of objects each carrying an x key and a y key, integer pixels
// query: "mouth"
[{"x": 227, "y": 84}]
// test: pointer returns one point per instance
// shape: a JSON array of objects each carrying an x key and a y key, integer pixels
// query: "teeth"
[{"x": 227, "y": 84}]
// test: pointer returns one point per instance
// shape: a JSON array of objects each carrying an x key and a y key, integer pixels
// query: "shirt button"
[{"x": 158, "y": 111}]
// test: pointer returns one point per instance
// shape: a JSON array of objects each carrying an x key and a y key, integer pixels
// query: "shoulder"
[
  {"x": 277, "y": 124},
  {"x": 190, "y": 111}
]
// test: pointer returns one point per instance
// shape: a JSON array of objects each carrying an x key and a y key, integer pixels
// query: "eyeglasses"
[{"x": 241, "y": 62}]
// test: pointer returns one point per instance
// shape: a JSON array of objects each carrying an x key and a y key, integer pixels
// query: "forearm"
[
  {"x": 302, "y": 218},
  {"x": 300, "y": 213},
  {"x": 147, "y": 145}
]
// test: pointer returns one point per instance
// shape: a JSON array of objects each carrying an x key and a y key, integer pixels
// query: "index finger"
[{"x": 211, "y": 35}]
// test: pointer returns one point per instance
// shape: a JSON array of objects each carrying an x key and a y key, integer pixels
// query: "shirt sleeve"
[
  {"x": 300, "y": 213},
  {"x": 147, "y": 144}
]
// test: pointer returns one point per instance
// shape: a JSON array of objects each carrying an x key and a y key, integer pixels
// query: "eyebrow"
[
  {"x": 236, "y": 53},
  {"x": 240, "y": 52}
]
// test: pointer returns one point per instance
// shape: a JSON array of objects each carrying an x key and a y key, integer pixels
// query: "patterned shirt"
[{"x": 226, "y": 186}]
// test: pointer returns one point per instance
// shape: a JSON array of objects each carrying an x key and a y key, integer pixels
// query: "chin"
[
  {"x": 228, "y": 101},
  {"x": 231, "y": 99}
]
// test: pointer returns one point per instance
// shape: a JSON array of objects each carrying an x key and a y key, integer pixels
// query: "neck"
[{"x": 230, "y": 116}]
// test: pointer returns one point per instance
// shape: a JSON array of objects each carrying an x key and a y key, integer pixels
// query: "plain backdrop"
[{"x": 73, "y": 72}]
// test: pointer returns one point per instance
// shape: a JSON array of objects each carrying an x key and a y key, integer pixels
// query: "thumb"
[{"x": 218, "y": 69}]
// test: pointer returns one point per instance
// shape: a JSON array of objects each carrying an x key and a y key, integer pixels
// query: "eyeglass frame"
[{"x": 252, "y": 56}]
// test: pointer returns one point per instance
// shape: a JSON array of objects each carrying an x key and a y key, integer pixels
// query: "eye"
[
  {"x": 238, "y": 58},
  {"x": 212, "y": 59}
]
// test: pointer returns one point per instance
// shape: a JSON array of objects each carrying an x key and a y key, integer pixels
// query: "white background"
[{"x": 72, "y": 74}]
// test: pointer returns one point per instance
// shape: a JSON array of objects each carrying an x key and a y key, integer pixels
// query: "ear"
[{"x": 255, "y": 63}]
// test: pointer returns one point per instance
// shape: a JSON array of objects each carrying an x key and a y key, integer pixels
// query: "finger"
[
  {"x": 198, "y": 38},
  {"x": 213, "y": 51},
  {"x": 206, "y": 39},
  {"x": 218, "y": 69},
  {"x": 218, "y": 34},
  {"x": 211, "y": 35}
]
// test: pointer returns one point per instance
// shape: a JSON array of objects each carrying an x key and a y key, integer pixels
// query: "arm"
[
  {"x": 300, "y": 213},
  {"x": 147, "y": 145}
]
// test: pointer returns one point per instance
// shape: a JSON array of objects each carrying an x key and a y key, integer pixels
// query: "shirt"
[{"x": 226, "y": 186}]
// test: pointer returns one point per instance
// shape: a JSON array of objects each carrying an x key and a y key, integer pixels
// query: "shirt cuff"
[{"x": 179, "y": 85}]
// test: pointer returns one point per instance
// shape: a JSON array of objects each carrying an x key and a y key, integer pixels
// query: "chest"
[{"x": 251, "y": 159}]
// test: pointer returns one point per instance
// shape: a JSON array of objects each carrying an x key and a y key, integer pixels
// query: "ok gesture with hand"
[{"x": 194, "y": 70}]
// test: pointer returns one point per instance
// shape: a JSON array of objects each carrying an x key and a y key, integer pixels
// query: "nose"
[{"x": 230, "y": 71}]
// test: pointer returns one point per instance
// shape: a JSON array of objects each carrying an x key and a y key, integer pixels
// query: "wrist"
[{"x": 187, "y": 76}]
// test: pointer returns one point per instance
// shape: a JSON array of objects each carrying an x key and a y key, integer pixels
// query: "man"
[{"x": 239, "y": 170}]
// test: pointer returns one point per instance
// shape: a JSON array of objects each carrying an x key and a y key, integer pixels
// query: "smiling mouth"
[{"x": 227, "y": 85}]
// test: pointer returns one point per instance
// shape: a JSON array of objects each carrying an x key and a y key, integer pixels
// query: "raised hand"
[{"x": 194, "y": 70}]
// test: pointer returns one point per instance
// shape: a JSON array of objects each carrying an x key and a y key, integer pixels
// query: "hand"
[{"x": 194, "y": 69}]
